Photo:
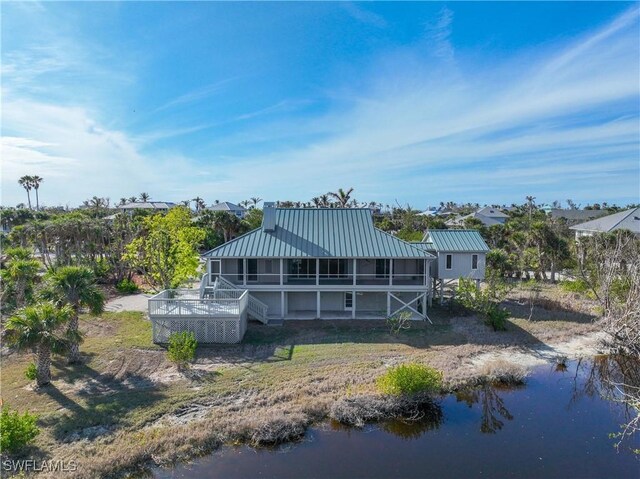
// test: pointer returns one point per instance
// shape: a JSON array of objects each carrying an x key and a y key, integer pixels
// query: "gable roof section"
[
  {"x": 147, "y": 205},
  {"x": 226, "y": 206},
  {"x": 491, "y": 212},
  {"x": 463, "y": 241},
  {"x": 319, "y": 233},
  {"x": 627, "y": 220}
]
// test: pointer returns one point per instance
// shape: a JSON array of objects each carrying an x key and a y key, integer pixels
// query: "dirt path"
[{"x": 133, "y": 302}]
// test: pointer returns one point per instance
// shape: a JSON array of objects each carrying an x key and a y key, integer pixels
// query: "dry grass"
[{"x": 127, "y": 407}]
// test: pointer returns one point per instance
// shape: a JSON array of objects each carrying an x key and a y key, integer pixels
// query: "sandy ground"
[
  {"x": 582, "y": 346},
  {"x": 133, "y": 302}
]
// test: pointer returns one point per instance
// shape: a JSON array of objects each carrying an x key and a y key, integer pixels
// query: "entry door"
[{"x": 348, "y": 301}]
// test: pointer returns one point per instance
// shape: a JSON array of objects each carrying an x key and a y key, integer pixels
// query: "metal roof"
[
  {"x": 147, "y": 205},
  {"x": 318, "y": 233},
  {"x": 624, "y": 220},
  {"x": 225, "y": 206},
  {"x": 456, "y": 240}
]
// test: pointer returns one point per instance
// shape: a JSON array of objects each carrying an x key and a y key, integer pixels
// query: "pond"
[{"x": 558, "y": 425}]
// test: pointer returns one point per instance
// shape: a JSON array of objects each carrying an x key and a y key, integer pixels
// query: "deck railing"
[{"x": 188, "y": 303}]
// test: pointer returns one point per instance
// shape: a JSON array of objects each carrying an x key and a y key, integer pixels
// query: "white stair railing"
[{"x": 256, "y": 308}]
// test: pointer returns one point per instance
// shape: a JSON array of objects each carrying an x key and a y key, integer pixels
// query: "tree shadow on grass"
[{"x": 101, "y": 403}]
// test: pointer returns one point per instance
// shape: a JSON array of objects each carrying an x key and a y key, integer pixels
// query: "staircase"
[{"x": 256, "y": 309}]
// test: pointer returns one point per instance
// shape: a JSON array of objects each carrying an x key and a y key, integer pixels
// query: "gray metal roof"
[
  {"x": 147, "y": 205},
  {"x": 318, "y": 233},
  {"x": 456, "y": 241},
  {"x": 624, "y": 220},
  {"x": 225, "y": 206}
]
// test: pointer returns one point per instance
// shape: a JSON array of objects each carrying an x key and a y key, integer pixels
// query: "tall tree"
[
  {"x": 227, "y": 223},
  {"x": 200, "y": 204},
  {"x": 341, "y": 196},
  {"x": 144, "y": 197},
  {"x": 27, "y": 183},
  {"x": 76, "y": 287},
  {"x": 18, "y": 278},
  {"x": 166, "y": 251},
  {"x": 255, "y": 200},
  {"x": 36, "y": 181},
  {"x": 40, "y": 328}
]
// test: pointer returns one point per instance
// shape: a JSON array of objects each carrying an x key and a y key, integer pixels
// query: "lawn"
[{"x": 127, "y": 403}]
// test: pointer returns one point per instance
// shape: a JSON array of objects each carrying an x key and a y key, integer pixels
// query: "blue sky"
[{"x": 414, "y": 102}]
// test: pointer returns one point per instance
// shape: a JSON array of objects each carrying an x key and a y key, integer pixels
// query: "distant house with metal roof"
[
  {"x": 232, "y": 208},
  {"x": 624, "y": 220},
  {"x": 572, "y": 216},
  {"x": 161, "y": 206},
  {"x": 329, "y": 263},
  {"x": 488, "y": 216}
]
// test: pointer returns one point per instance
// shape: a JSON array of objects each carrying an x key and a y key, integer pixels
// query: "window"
[
  {"x": 240, "y": 270},
  {"x": 333, "y": 268},
  {"x": 268, "y": 266},
  {"x": 449, "y": 260},
  {"x": 215, "y": 269},
  {"x": 302, "y": 268},
  {"x": 474, "y": 261},
  {"x": 252, "y": 269},
  {"x": 382, "y": 268},
  {"x": 348, "y": 301}
]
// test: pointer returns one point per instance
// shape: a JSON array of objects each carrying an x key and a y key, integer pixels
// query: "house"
[
  {"x": 307, "y": 263},
  {"x": 232, "y": 208},
  {"x": 573, "y": 216},
  {"x": 624, "y": 220},
  {"x": 488, "y": 216},
  {"x": 460, "y": 254},
  {"x": 159, "y": 206}
]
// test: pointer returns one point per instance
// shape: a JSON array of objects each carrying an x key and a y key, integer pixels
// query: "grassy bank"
[{"x": 126, "y": 406}]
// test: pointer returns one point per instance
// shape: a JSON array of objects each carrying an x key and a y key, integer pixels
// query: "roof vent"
[{"x": 269, "y": 216}]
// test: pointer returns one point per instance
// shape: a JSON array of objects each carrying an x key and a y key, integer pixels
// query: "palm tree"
[
  {"x": 74, "y": 286},
  {"x": 133, "y": 199},
  {"x": 531, "y": 204},
  {"x": 123, "y": 201},
  {"x": 341, "y": 196},
  {"x": 20, "y": 275},
  {"x": 200, "y": 204},
  {"x": 255, "y": 200},
  {"x": 227, "y": 223},
  {"x": 39, "y": 328},
  {"x": 27, "y": 183},
  {"x": 35, "y": 182},
  {"x": 144, "y": 197}
]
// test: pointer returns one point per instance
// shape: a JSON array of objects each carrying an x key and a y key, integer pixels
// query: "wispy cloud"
[
  {"x": 559, "y": 116},
  {"x": 195, "y": 95},
  {"x": 364, "y": 16}
]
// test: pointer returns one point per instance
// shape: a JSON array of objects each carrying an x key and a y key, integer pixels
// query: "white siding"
[{"x": 460, "y": 266}]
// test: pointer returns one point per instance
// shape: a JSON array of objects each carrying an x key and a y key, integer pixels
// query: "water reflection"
[
  {"x": 413, "y": 429},
  {"x": 492, "y": 407}
]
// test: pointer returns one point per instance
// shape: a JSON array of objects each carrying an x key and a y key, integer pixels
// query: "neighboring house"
[
  {"x": 624, "y": 220},
  {"x": 232, "y": 208},
  {"x": 161, "y": 206},
  {"x": 573, "y": 216},
  {"x": 488, "y": 216},
  {"x": 460, "y": 254}
]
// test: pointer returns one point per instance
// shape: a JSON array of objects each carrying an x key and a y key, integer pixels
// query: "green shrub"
[
  {"x": 182, "y": 348},
  {"x": 496, "y": 317},
  {"x": 485, "y": 302},
  {"x": 17, "y": 430},
  {"x": 575, "y": 286},
  {"x": 127, "y": 286},
  {"x": 410, "y": 378},
  {"x": 31, "y": 372},
  {"x": 399, "y": 321}
]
